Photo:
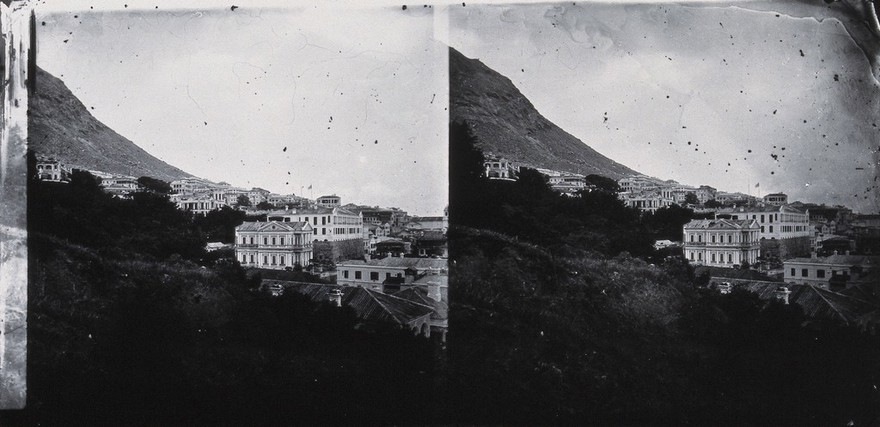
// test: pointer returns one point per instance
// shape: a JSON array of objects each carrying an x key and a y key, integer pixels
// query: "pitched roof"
[
  {"x": 817, "y": 302},
  {"x": 721, "y": 224},
  {"x": 398, "y": 262},
  {"x": 273, "y": 225},
  {"x": 864, "y": 260},
  {"x": 420, "y": 295},
  {"x": 369, "y": 305}
]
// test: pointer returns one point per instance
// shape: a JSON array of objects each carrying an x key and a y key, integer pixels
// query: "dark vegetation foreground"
[{"x": 563, "y": 312}]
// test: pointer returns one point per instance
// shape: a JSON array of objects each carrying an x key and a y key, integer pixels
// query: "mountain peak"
[
  {"x": 507, "y": 124},
  {"x": 59, "y": 125}
]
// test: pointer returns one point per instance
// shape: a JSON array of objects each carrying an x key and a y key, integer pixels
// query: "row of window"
[
  {"x": 820, "y": 273},
  {"x": 714, "y": 259},
  {"x": 276, "y": 240},
  {"x": 374, "y": 275},
  {"x": 720, "y": 238}
]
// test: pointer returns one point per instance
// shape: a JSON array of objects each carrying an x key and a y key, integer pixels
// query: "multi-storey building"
[
  {"x": 832, "y": 272},
  {"x": 775, "y": 222},
  {"x": 49, "y": 169},
  {"x": 390, "y": 273},
  {"x": 705, "y": 193},
  {"x": 637, "y": 183},
  {"x": 329, "y": 201},
  {"x": 499, "y": 168},
  {"x": 273, "y": 244},
  {"x": 338, "y": 232},
  {"x": 198, "y": 205},
  {"x": 564, "y": 182},
  {"x": 721, "y": 242},
  {"x": 776, "y": 199},
  {"x": 646, "y": 201}
]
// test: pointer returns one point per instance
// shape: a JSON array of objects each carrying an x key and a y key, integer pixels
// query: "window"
[
  {"x": 730, "y": 258},
  {"x": 374, "y": 275},
  {"x": 265, "y": 240},
  {"x": 273, "y": 259},
  {"x": 282, "y": 241},
  {"x": 282, "y": 259},
  {"x": 771, "y": 228},
  {"x": 265, "y": 259},
  {"x": 252, "y": 240},
  {"x": 762, "y": 218},
  {"x": 805, "y": 272},
  {"x": 345, "y": 274},
  {"x": 692, "y": 256},
  {"x": 323, "y": 231},
  {"x": 729, "y": 238},
  {"x": 273, "y": 240},
  {"x": 713, "y": 239},
  {"x": 252, "y": 258},
  {"x": 357, "y": 275},
  {"x": 692, "y": 237},
  {"x": 387, "y": 275},
  {"x": 762, "y": 228},
  {"x": 713, "y": 257},
  {"x": 820, "y": 274},
  {"x": 244, "y": 240},
  {"x": 792, "y": 272}
]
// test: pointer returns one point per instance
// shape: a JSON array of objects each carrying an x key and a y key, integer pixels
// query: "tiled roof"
[
  {"x": 864, "y": 260},
  {"x": 368, "y": 305},
  {"x": 817, "y": 302},
  {"x": 721, "y": 224},
  {"x": 398, "y": 262},
  {"x": 272, "y": 225},
  {"x": 420, "y": 295},
  {"x": 760, "y": 209}
]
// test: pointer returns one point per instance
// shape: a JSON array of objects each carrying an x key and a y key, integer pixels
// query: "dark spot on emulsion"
[
  {"x": 75, "y": 16},
  {"x": 836, "y": 78},
  {"x": 750, "y": 151},
  {"x": 44, "y": 23},
  {"x": 285, "y": 150},
  {"x": 404, "y": 7},
  {"x": 233, "y": 8},
  {"x": 206, "y": 123},
  {"x": 376, "y": 141},
  {"x": 66, "y": 40},
  {"x": 774, "y": 111},
  {"x": 802, "y": 52},
  {"x": 774, "y": 156}
]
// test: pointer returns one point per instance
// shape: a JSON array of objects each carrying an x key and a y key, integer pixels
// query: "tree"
[
  {"x": 691, "y": 199},
  {"x": 265, "y": 206},
  {"x": 712, "y": 204},
  {"x": 243, "y": 201},
  {"x": 603, "y": 183},
  {"x": 154, "y": 185}
]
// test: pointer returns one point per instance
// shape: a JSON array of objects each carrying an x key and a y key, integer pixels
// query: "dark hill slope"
[
  {"x": 508, "y": 125},
  {"x": 59, "y": 125}
]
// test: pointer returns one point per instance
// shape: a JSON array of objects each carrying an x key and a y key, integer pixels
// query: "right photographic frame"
[{"x": 664, "y": 213}]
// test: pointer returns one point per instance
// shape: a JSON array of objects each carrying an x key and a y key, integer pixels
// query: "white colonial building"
[
  {"x": 774, "y": 222},
  {"x": 329, "y": 224},
  {"x": 721, "y": 242},
  {"x": 274, "y": 245}
]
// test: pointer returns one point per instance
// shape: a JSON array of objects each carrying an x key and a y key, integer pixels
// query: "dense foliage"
[{"x": 584, "y": 332}]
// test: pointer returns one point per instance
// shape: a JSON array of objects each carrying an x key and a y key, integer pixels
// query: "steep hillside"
[
  {"x": 59, "y": 125},
  {"x": 508, "y": 125}
]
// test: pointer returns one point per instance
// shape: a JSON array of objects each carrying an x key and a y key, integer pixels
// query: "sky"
[
  {"x": 351, "y": 101},
  {"x": 745, "y": 98}
]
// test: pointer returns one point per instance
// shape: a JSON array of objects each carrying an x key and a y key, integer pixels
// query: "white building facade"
[
  {"x": 273, "y": 244},
  {"x": 721, "y": 242}
]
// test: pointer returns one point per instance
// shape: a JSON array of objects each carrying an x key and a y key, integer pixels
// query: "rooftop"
[
  {"x": 721, "y": 224},
  {"x": 273, "y": 226},
  {"x": 398, "y": 262},
  {"x": 839, "y": 260},
  {"x": 367, "y": 304}
]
